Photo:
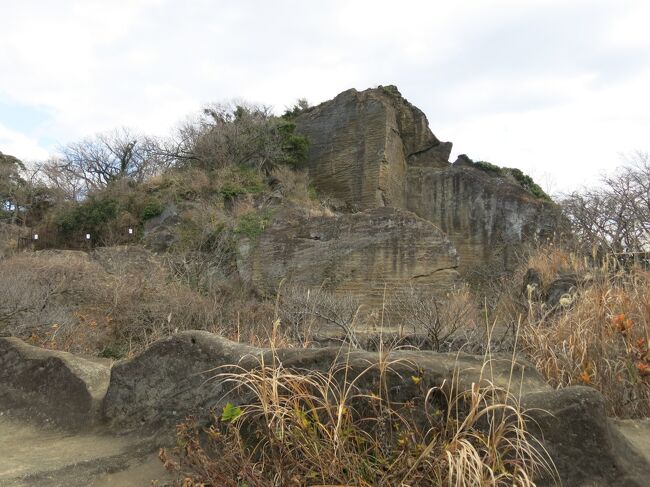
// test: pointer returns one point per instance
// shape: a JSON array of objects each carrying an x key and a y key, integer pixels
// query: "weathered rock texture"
[
  {"x": 487, "y": 217},
  {"x": 356, "y": 254},
  {"x": 360, "y": 143},
  {"x": 373, "y": 148},
  {"x": 178, "y": 375},
  {"x": 59, "y": 386}
]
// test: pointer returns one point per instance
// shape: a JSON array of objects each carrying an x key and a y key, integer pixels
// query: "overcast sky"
[{"x": 557, "y": 88}]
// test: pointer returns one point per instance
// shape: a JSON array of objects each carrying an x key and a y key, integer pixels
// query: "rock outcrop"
[
  {"x": 57, "y": 386},
  {"x": 354, "y": 254},
  {"x": 179, "y": 376},
  {"x": 360, "y": 143},
  {"x": 373, "y": 148},
  {"x": 486, "y": 216}
]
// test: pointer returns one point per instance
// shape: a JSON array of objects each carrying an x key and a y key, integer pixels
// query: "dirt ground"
[{"x": 47, "y": 457}]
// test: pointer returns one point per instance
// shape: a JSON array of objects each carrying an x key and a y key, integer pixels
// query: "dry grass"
[
  {"x": 598, "y": 337},
  {"x": 67, "y": 300},
  {"x": 304, "y": 427}
]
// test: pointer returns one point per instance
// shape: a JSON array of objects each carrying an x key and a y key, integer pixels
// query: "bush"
[
  {"x": 304, "y": 427},
  {"x": 90, "y": 216},
  {"x": 66, "y": 300},
  {"x": 251, "y": 225},
  {"x": 240, "y": 180},
  {"x": 241, "y": 135},
  {"x": 152, "y": 208},
  {"x": 523, "y": 180}
]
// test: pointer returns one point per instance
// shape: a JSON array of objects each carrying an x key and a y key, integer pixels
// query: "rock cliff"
[
  {"x": 355, "y": 253},
  {"x": 360, "y": 143},
  {"x": 373, "y": 148}
]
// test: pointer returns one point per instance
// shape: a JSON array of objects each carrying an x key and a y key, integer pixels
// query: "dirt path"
[{"x": 47, "y": 457}]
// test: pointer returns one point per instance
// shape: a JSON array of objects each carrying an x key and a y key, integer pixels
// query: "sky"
[{"x": 560, "y": 89}]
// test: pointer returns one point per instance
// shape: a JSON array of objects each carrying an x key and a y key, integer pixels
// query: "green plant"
[
  {"x": 114, "y": 351},
  {"x": 152, "y": 208},
  {"x": 523, "y": 180},
  {"x": 88, "y": 216},
  {"x": 527, "y": 183},
  {"x": 391, "y": 90},
  {"x": 242, "y": 180},
  {"x": 230, "y": 413},
  {"x": 251, "y": 225},
  {"x": 488, "y": 167}
]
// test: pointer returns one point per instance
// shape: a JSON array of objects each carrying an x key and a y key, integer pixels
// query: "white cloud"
[
  {"x": 16, "y": 143},
  {"x": 538, "y": 84}
]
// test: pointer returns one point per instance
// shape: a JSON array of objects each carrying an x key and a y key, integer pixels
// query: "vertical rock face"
[
  {"x": 373, "y": 149},
  {"x": 486, "y": 217},
  {"x": 360, "y": 143},
  {"x": 356, "y": 254}
]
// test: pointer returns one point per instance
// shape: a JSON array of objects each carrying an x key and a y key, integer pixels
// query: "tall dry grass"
[
  {"x": 597, "y": 336},
  {"x": 307, "y": 427}
]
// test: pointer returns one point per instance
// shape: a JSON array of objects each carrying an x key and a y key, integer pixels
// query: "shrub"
[
  {"x": 152, "y": 208},
  {"x": 240, "y": 180},
  {"x": 66, "y": 300},
  {"x": 523, "y": 180},
  {"x": 251, "y": 225},
  {"x": 304, "y": 427},
  {"x": 90, "y": 216},
  {"x": 488, "y": 167},
  {"x": 241, "y": 135}
]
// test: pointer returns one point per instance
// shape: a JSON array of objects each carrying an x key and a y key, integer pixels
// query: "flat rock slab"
[{"x": 32, "y": 455}]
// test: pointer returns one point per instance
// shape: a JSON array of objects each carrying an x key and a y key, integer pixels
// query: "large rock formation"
[
  {"x": 360, "y": 143},
  {"x": 356, "y": 254},
  {"x": 373, "y": 148},
  {"x": 487, "y": 216}
]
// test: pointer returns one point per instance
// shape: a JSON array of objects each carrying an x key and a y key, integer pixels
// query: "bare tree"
[
  {"x": 614, "y": 216},
  {"x": 65, "y": 185},
  {"x": 98, "y": 161},
  {"x": 438, "y": 317},
  {"x": 304, "y": 309}
]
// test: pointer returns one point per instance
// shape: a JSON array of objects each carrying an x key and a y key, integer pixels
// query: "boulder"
[
  {"x": 54, "y": 386},
  {"x": 178, "y": 376},
  {"x": 360, "y": 254},
  {"x": 159, "y": 231},
  {"x": 562, "y": 289},
  {"x": 586, "y": 447}
]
